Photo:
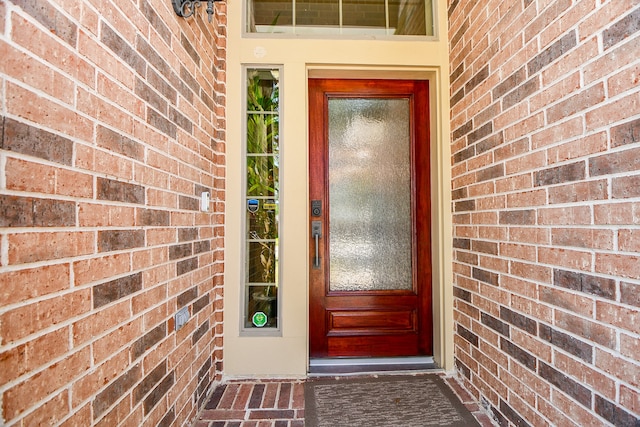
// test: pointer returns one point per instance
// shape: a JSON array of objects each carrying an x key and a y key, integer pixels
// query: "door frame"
[{"x": 420, "y": 188}]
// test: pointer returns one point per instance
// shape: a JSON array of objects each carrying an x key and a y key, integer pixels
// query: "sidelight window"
[{"x": 262, "y": 199}]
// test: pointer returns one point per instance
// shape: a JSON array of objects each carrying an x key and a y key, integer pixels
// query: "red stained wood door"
[{"x": 370, "y": 245}]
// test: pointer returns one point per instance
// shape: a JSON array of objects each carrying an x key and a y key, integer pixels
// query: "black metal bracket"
[{"x": 186, "y": 8}]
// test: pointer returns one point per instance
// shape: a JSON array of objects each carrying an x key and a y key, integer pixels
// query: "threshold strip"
[{"x": 355, "y": 366}]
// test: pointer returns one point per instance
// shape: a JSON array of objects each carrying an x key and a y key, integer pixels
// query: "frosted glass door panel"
[{"x": 369, "y": 194}]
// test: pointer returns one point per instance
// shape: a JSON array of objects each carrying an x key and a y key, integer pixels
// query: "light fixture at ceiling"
[{"x": 186, "y": 8}]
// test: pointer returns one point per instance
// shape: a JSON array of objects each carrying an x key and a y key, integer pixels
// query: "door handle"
[{"x": 316, "y": 233}]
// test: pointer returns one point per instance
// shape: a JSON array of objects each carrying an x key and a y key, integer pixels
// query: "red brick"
[
  {"x": 618, "y": 162},
  {"x": 591, "y": 93},
  {"x": 30, "y": 106},
  {"x": 94, "y": 269},
  {"x": 97, "y": 107},
  {"x": 616, "y": 315},
  {"x": 607, "y": 13},
  {"x": 134, "y": 418},
  {"x": 19, "y": 397},
  {"x": 579, "y": 192},
  {"x": 629, "y": 240},
  {"x": 617, "y": 213},
  {"x": 108, "y": 88},
  {"x": 51, "y": 112},
  {"x": 524, "y": 411},
  {"x": 574, "y": 59},
  {"x": 493, "y": 233},
  {"x": 583, "y": 238},
  {"x": 623, "y": 108},
  {"x": 560, "y": 174},
  {"x": 479, "y": 189},
  {"x": 570, "y": 301},
  {"x": 624, "y": 81},
  {"x": 39, "y": 76},
  {"x": 554, "y": 414},
  {"x": 618, "y": 265},
  {"x": 620, "y": 368},
  {"x": 535, "y": 347},
  {"x": 519, "y": 286},
  {"x": 574, "y": 411},
  {"x": 97, "y": 215},
  {"x": 630, "y": 294},
  {"x": 242, "y": 396},
  {"x": 573, "y": 15},
  {"x": 3, "y": 12},
  {"x": 622, "y": 29},
  {"x": 156, "y": 275},
  {"x": 587, "y": 329},
  {"x": 14, "y": 363},
  {"x": 566, "y": 130},
  {"x": 115, "y": 341},
  {"x": 157, "y": 315},
  {"x": 74, "y": 184},
  {"x": 626, "y": 133},
  {"x": 485, "y": 304},
  {"x": 525, "y": 126},
  {"x": 523, "y": 252},
  {"x": 150, "y": 176},
  {"x": 575, "y": 215},
  {"x": 21, "y": 285},
  {"x": 528, "y": 162},
  {"x": 160, "y": 198},
  {"x": 580, "y": 147},
  {"x": 630, "y": 399},
  {"x": 117, "y": 240},
  {"x": 33, "y": 247},
  {"x": 545, "y": 18},
  {"x": 28, "y": 319},
  {"x": 40, "y": 351},
  {"x": 220, "y": 414},
  {"x": 85, "y": 329},
  {"x": 81, "y": 13},
  {"x": 97, "y": 54},
  {"x": 148, "y": 299},
  {"x": 525, "y": 199},
  {"x": 49, "y": 48},
  {"x": 28, "y": 176},
  {"x": 51, "y": 412},
  {"x": 630, "y": 346},
  {"x": 35, "y": 141},
  {"x": 491, "y": 202},
  {"x": 88, "y": 385},
  {"x": 511, "y": 150},
  {"x": 118, "y": 414},
  {"x": 532, "y": 235},
  {"x": 625, "y": 187}
]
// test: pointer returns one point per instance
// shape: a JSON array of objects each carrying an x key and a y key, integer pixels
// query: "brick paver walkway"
[
  {"x": 255, "y": 404},
  {"x": 268, "y": 403}
]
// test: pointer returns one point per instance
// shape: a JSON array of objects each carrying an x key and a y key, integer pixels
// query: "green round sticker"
[{"x": 259, "y": 319}]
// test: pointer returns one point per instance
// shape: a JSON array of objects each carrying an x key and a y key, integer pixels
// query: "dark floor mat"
[{"x": 384, "y": 401}]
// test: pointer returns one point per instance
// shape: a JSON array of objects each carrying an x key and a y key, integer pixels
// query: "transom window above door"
[{"x": 341, "y": 17}]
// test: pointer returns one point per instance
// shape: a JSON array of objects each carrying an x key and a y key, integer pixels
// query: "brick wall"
[
  {"x": 546, "y": 187},
  {"x": 111, "y": 125}
]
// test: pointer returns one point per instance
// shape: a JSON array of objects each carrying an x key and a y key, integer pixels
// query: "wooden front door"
[{"x": 370, "y": 245}]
